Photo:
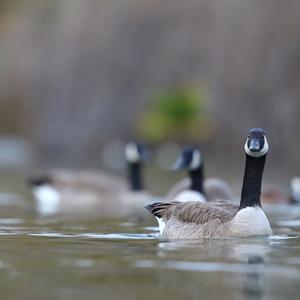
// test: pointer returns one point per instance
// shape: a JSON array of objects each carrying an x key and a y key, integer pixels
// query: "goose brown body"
[
  {"x": 93, "y": 192},
  {"x": 194, "y": 220},
  {"x": 222, "y": 218}
]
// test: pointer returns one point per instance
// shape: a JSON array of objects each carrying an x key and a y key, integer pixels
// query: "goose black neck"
[
  {"x": 135, "y": 176},
  {"x": 252, "y": 181},
  {"x": 197, "y": 178}
]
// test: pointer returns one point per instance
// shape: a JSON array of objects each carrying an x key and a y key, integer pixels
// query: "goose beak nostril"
[{"x": 254, "y": 145}]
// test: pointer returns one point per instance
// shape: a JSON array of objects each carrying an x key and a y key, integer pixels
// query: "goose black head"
[
  {"x": 189, "y": 159},
  {"x": 135, "y": 153},
  {"x": 256, "y": 144}
]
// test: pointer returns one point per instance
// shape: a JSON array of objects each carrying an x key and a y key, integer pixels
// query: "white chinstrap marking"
[
  {"x": 196, "y": 160},
  {"x": 250, "y": 221},
  {"x": 262, "y": 152},
  {"x": 132, "y": 153},
  {"x": 47, "y": 198}
]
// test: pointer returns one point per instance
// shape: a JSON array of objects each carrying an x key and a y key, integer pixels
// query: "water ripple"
[
  {"x": 290, "y": 223},
  {"x": 273, "y": 270},
  {"x": 111, "y": 236}
]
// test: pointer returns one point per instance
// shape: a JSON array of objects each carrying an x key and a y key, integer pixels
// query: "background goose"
[
  {"x": 195, "y": 188},
  {"x": 274, "y": 194},
  {"x": 222, "y": 219},
  {"x": 62, "y": 191}
]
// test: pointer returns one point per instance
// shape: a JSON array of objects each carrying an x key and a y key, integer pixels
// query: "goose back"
[
  {"x": 222, "y": 219},
  {"x": 214, "y": 189},
  {"x": 193, "y": 220},
  {"x": 85, "y": 192}
]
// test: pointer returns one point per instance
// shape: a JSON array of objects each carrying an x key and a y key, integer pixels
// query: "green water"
[{"x": 49, "y": 258}]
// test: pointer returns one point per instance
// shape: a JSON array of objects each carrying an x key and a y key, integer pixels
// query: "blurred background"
[{"x": 79, "y": 78}]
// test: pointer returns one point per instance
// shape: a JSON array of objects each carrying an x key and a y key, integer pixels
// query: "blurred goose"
[
  {"x": 62, "y": 191},
  {"x": 195, "y": 188},
  {"x": 222, "y": 219},
  {"x": 274, "y": 194}
]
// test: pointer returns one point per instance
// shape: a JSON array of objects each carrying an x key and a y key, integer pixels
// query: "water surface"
[{"x": 51, "y": 258}]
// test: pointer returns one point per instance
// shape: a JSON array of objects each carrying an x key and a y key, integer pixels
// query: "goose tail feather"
[{"x": 160, "y": 209}]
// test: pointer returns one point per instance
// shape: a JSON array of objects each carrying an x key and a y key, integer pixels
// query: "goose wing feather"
[{"x": 195, "y": 212}]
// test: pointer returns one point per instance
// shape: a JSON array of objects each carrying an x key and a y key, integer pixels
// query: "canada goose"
[
  {"x": 222, "y": 219},
  {"x": 62, "y": 191},
  {"x": 195, "y": 188},
  {"x": 273, "y": 194}
]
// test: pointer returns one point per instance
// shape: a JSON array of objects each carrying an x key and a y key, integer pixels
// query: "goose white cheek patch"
[
  {"x": 132, "y": 153},
  {"x": 262, "y": 152},
  {"x": 196, "y": 161}
]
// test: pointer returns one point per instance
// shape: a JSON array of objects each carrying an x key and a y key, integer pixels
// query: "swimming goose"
[
  {"x": 274, "y": 194},
  {"x": 222, "y": 219},
  {"x": 79, "y": 192},
  {"x": 195, "y": 188}
]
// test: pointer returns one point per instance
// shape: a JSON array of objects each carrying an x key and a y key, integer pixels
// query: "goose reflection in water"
[{"x": 253, "y": 286}]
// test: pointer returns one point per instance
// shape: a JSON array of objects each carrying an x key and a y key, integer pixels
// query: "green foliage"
[
  {"x": 179, "y": 107},
  {"x": 176, "y": 114}
]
